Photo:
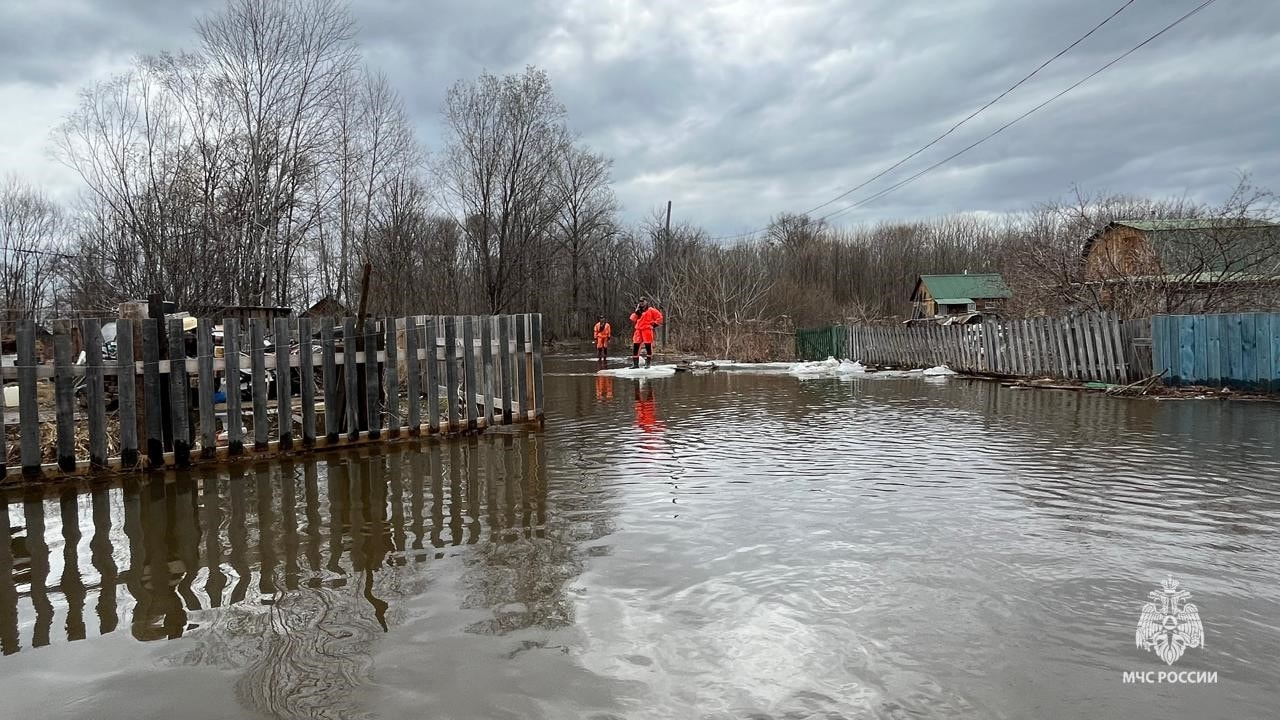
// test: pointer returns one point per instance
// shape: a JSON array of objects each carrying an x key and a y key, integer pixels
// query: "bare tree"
[
  {"x": 504, "y": 144},
  {"x": 32, "y": 241}
]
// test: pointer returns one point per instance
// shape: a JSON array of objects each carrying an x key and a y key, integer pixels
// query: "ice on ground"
[
  {"x": 643, "y": 372},
  {"x": 940, "y": 370},
  {"x": 733, "y": 365},
  {"x": 828, "y": 367}
]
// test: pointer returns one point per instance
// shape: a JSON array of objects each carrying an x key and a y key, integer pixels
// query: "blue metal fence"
[{"x": 1237, "y": 350}]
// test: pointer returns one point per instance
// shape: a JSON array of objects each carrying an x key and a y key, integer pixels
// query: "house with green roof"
[
  {"x": 1186, "y": 264},
  {"x": 958, "y": 298}
]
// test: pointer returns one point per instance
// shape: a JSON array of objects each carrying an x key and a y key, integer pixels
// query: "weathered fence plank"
[
  {"x": 179, "y": 395},
  {"x": 451, "y": 371},
  {"x": 126, "y": 396},
  {"x": 329, "y": 376},
  {"x": 281, "y": 342},
  {"x": 391, "y": 380},
  {"x": 350, "y": 371},
  {"x": 413, "y": 375},
  {"x": 504, "y": 354},
  {"x": 153, "y": 411},
  {"x": 205, "y": 381},
  {"x": 64, "y": 394},
  {"x": 234, "y": 423},
  {"x": 536, "y": 339},
  {"x": 307, "y": 380},
  {"x": 469, "y": 369},
  {"x": 372, "y": 383},
  {"x": 433, "y": 375},
  {"x": 487, "y": 365},
  {"x": 258, "y": 361}
]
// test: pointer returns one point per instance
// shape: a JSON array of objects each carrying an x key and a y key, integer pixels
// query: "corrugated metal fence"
[
  {"x": 1238, "y": 350},
  {"x": 822, "y": 343}
]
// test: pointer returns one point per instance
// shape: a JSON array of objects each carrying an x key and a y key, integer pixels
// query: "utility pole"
[{"x": 667, "y": 233}]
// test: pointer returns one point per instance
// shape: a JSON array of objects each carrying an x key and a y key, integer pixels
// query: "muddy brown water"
[{"x": 727, "y": 545}]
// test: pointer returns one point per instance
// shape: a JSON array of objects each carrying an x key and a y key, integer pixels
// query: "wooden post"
[
  {"x": 231, "y": 379},
  {"x": 391, "y": 379},
  {"x": 152, "y": 386},
  {"x": 126, "y": 395},
  {"x": 64, "y": 391},
  {"x": 179, "y": 393},
  {"x": 307, "y": 379},
  {"x": 372, "y": 387},
  {"x": 284, "y": 383},
  {"x": 95, "y": 393},
  {"x": 332, "y": 411},
  {"x": 433, "y": 376},
  {"x": 258, "y": 363},
  {"x": 413, "y": 374},
  {"x": 204, "y": 363},
  {"x": 469, "y": 370},
  {"x": 451, "y": 370}
]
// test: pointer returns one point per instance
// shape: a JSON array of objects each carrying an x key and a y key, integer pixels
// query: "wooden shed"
[{"x": 948, "y": 296}]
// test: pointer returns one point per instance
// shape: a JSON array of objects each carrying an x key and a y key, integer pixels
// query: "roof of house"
[
  {"x": 1221, "y": 245},
  {"x": 974, "y": 285},
  {"x": 1168, "y": 224}
]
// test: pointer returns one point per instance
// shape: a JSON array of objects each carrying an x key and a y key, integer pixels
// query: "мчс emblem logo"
[{"x": 1169, "y": 625}]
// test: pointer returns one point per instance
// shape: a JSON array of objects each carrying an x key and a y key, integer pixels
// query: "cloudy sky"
[{"x": 737, "y": 110}]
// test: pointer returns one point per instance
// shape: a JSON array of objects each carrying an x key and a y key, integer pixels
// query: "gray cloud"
[{"x": 738, "y": 110}]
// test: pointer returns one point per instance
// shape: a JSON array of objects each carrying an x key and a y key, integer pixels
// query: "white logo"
[{"x": 1169, "y": 626}]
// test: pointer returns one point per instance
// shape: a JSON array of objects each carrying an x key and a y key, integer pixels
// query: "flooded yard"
[{"x": 721, "y": 545}]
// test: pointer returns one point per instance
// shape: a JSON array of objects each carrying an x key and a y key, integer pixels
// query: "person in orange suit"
[
  {"x": 602, "y": 332},
  {"x": 645, "y": 318}
]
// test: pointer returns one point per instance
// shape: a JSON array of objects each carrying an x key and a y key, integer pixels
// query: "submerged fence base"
[{"x": 275, "y": 386}]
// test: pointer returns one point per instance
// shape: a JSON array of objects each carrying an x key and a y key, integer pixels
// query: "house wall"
[{"x": 1119, "y": 252}]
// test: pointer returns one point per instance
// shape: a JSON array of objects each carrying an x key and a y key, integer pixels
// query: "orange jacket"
[
  {"x": 647, "y": 319},
  {"x": 602, "y": 331}
]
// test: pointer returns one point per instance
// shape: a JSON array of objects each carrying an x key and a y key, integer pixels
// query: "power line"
[
  {"x": 954, "y": 127},
  {"x": 1021, "y": 117}
]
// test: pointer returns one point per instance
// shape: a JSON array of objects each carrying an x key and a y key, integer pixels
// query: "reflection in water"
[
  {"x": 604, "y": 387},
  {"x": 286, "y": 574}
]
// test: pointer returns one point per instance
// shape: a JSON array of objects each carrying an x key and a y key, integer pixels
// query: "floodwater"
[{"x": 709, "y": 546}]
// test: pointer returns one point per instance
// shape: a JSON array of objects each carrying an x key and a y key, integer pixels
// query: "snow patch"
[
  {"x": 826, "y": 368},
  {"x": 940, "y": 370},
  {"x": 644, "y": 372}
]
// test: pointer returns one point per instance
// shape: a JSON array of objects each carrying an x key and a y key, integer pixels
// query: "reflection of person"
[
  {"x": 645, "y": 318},
  {"x": 602, "y": 332},
  {"x": 646, "y": 409},
  {"x": 604, "y": 387}
]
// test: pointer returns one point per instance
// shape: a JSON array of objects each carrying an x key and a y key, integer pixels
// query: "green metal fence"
[{"x": 822, "y": 343}]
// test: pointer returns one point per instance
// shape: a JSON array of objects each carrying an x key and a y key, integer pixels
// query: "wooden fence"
[
  {"x": 343, "y": 382},
  {"x": 1238, "y": 350},
  {"x": 1095, "y": 347}
]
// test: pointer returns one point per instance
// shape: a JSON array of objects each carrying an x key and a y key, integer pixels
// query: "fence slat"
[
  {"x": 126, "y": 395},
  {"x": 281, "y": 344},
  {"x": 28, "y": 404},
  {"x": 522, "y": 367},
  {"x": 350, "y": 373},
  {"x": 234, "y": 424},
  {"x": 64, "y": 394},
  {"x": 504, "y": 353},
  {"x": 1111, "y": 369},
  {"x": 536, "y": 339},
  {"x": 487, "y": 365},
  {"x": 95, "y": 392},
  {"x": 151, "y": 392},
  {"x": 329, "y": 376},
  {"x": 433, "y": 375},
  {"x": 413, "y": 374},
  {"x": 372, "y": 383},
  {"x": 258, "y": 362},
  {"x": 1124, "y": 370},
  {"x": 451, "y": 371},
  {"x": 1263, "y": 369},
  {"x": 307, "y": 380},
  {"x": 179, "y": 394},
  {"x": 469, "y": 370},
  {"x": 391, "y": 379},
  {"x": 204, "y": 380}
]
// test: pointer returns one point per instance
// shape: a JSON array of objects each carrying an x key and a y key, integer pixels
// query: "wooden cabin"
[
  {"x": 958, "y": 298},
  {"x": 1196, "y": 261},
  {"x": 327, "y": 307}
]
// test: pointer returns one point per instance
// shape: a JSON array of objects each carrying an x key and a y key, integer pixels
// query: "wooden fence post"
[
  {"x": 64, "y": 393},
  {"x": 282, "y": 342},
  {"x": 204, "y": 364},
  {"x": 391, "y": 380},
  {"x": 307, "y": 381},
  {"x": 258, "y": 363},
  {"x": 413, "y": 374},
  {"x": 231, "y": 379},
  {"x": 179, "y": 394},
  {"x": 126, "y": 375},
  {"x": 329, "y": 376}
]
